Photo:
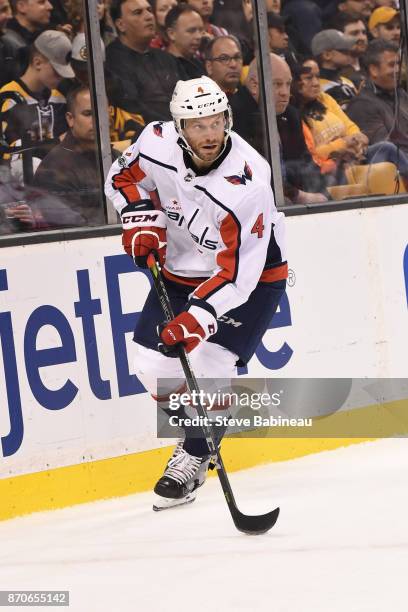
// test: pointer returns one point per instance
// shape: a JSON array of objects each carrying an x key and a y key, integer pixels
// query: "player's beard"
[{"x": 206, "y": 154}]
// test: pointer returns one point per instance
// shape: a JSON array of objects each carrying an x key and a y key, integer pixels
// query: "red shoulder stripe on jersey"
[
  {"x": 125, "y": 181},
  {"x": 228, "y": 259}
]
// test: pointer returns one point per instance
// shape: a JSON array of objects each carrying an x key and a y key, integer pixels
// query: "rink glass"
[{"x": 16, "y": 227}]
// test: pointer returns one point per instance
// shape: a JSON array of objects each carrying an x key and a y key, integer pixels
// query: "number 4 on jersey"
[{"x": 258, "y": 227}]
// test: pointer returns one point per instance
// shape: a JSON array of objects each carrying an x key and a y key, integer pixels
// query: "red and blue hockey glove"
[
  {"x": 144, "y": 231},
  {"x": 189, "y": 328}
]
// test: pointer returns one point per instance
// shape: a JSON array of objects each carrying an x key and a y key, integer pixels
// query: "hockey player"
[{"x": 222, "y": 241}]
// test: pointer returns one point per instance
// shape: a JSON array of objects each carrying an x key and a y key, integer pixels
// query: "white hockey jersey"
[{"x": 224, "y": 233}]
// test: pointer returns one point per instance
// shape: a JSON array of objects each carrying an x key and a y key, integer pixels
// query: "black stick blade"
[{"x": 254, "y": 525}]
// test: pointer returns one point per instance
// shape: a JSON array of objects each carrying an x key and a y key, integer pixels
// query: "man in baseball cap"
[
  {"x": 333, "y": 52},
  {"x": 79, "y": 63},
  {"x": 385, "y": 23},
  {"x": 56, "y": 48},
  {"x": 37, "y": 110},
  {"x": 332, "y": 40}
]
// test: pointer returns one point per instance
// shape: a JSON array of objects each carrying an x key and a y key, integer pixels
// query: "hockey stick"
[{"x": 250, "y": 524}]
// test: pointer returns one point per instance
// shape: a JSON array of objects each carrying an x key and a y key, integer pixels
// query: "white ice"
[{"x": 340, "y": 544}]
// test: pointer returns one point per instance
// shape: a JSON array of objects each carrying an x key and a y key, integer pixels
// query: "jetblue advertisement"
[{"x": 67, "y": 311}]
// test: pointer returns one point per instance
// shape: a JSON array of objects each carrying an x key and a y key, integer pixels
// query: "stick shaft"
[{"x": 247, "y": 524}]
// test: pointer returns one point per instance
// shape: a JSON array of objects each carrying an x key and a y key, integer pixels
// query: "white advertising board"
[{"x": 67, "y": 392}]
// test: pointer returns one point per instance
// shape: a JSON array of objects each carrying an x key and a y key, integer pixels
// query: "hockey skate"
[{"x": 183, "y": 475}]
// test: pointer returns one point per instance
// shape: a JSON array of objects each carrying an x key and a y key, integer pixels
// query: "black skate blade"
[{"x": 254, "y": 525}]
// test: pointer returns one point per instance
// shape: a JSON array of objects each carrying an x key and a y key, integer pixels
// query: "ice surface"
[{"x": 340, "y": 544}]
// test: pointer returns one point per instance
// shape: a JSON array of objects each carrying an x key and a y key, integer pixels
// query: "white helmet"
[{"x": 199, "y": 98}]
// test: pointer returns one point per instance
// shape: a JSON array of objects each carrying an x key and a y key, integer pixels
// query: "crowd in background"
[{"x": 339, "y": 79}]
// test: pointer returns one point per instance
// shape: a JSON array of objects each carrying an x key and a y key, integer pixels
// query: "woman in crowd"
[{"x": 333, "y": 139}]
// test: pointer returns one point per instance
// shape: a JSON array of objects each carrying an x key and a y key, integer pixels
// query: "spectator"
[
  {"x": 247, "y": 117},
  {"x": 59, "y": 18},
  {"x": 160, "y": 10},
  {"x": 79, "y": 60},
  {"x": 385, "y": 23},
  {"x": 5, "y": 14},
  {"x": 273, "y": 6},
  {"x": 106, "y": 27},
  {"x": 41, "y": 113},
  {"x": 125, "y": 127},
  {"x": 329, "y": 9},
  {"x": 335, "y": 136},
  {"x": 306, "y": 19},
  {"x": 356, "y": 8},
  {"x": 184, "y": 30},
  {"x": 278, "y": 39},
  {"x": 79, "y": 64},
  {"x": 228, "y": 14},
  {"x": 26, "y": 208},
  {"x": 58, "y": 14},
  {"x": 75, "y": 17},
  {"x": 205, "y": 9},
  {"x": 247, "y": 37},
  {"x": 7, "y": 56},
  {"x": 224, "y": 63},
  {"x": 350, "y": 26},
  {"x": 146, "y": 77},
  {"x": 332, "y": 51},
  {"x": 381, "y": 108},
  {"x": 30, "y": 17},
  {"x": 300, "y": 174},
  {"x": 70, "y": 170}
]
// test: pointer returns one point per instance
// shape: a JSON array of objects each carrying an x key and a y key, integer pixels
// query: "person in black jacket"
[
  {"x": 223, "y": 62},
  {"x": 30, "y": 18},
  {"x": 302, "y": 181},
  {"x": 381, "y": 108},
  {"x": 70, "y": 170},
  {"x": 145, "y": 77},
  {"x": 305, "y": 19},
  {"x": 184, "y": 30},
  {"x": 279, "y": 41},
  {"x": 7, "y": 55}
]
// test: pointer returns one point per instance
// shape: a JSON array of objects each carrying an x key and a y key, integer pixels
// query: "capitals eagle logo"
[{"x": 240, "y": 179}]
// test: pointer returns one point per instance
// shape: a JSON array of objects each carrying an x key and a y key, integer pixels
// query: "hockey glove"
[
  {"x": 144, "y": 231},
  {"x": 189, "y": 328}
]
